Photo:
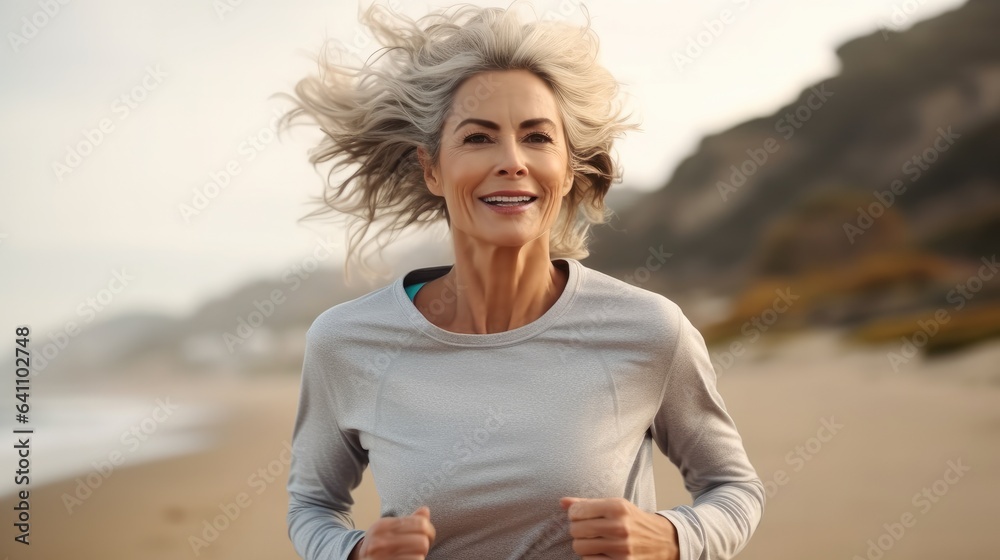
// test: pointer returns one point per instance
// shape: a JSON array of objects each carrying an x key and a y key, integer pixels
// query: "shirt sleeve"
[
  {"x": 693, "y": 429},
  {"x": 327, "y": 462}
]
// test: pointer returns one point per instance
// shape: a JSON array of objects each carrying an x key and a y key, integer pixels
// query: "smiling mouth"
[{"x": 524, "y": 202}]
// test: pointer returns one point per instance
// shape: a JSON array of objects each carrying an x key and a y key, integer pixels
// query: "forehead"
[{"x": 504, "y": 95}]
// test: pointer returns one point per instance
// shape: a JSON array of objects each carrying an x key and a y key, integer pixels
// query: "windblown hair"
[{"x": 374, "y": 117}]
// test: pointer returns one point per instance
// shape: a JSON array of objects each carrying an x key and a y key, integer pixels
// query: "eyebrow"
[{"x": 530, "y": 123}]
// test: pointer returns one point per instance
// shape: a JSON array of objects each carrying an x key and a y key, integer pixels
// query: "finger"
[
  {"x": 594, "y": 529},
  {"x": 423, "y": 510},
  {"x": 418, "y": 524},
  {"x": 414, "y": 544},
  {"x": 433, "y": 532},
  {"x": 593, "y": 548},
  {"x": 566, "y": 502},
  {"x": 581, "y": 509},
  {"x": 397, "y": 545}
]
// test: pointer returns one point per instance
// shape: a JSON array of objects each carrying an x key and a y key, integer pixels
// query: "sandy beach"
[{"x": 854, "y": 455}]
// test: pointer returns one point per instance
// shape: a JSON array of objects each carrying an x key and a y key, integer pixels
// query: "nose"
[{"x": 512, "y": 162}]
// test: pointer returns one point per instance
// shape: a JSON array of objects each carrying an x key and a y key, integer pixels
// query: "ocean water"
[{"x": 76, "y": 436}]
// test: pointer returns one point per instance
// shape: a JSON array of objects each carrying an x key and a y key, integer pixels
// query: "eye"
[
  {"x": 541, "y": 136},
  {"x": 468, "y": 138}
]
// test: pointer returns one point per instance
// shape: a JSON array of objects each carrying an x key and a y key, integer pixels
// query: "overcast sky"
[{"x": 181, "y": 87}]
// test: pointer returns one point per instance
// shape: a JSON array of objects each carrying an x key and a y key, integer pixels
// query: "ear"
[
  {"x": 430, "y": 172},
  {"x": 568, "y": 186}
]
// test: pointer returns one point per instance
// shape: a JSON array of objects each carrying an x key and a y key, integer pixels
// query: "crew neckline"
[{"x": 538, "y": 326}]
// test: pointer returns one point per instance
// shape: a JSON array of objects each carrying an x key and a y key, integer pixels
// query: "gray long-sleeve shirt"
[{"x": 490, "y": 430}]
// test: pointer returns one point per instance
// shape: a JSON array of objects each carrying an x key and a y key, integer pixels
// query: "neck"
[{"x": 500, "y": 290}]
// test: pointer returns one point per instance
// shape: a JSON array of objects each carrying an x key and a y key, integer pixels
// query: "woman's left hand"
[{"x": 616, "y": 528}]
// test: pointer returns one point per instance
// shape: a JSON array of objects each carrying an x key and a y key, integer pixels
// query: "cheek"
[
  {"x": 465, "y": 173},
  {"x": 555, "y": 180},
  {"x": 552, "y": 168}
]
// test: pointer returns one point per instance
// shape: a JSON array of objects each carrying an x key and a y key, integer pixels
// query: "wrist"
[{"x": 672, "y": 545}]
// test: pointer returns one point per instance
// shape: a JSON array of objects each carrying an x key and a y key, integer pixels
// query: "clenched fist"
[
  {"x": 615, "y": 528},
  {"x": 398, "y": 538}
]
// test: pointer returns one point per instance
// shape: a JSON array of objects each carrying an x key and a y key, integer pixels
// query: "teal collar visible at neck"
[{"x": 412, "y": 289}]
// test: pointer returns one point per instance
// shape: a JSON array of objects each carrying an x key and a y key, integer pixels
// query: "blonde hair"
[{"x": 374, "y": 117}]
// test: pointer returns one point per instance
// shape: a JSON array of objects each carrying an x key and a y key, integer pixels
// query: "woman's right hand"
[{"x": 398, "y": 538}]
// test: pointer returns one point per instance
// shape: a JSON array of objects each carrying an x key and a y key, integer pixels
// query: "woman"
[{"x": 506, "y": 404}]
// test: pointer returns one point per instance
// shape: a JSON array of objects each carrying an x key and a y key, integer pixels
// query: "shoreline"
[{"x": 153, "y": 509}]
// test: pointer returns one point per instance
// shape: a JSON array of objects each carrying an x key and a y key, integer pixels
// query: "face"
[{"x": 504, "y": 133}]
